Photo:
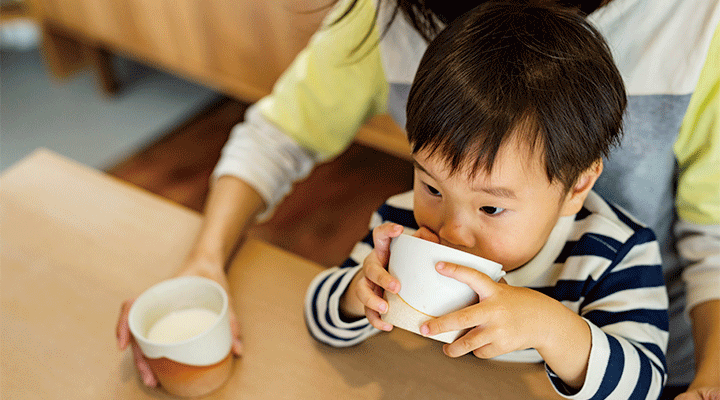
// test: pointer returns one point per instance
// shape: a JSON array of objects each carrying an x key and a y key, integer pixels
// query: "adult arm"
[
  {"x": 698, "y": 229},
  {"x": 334, "y": 85}
]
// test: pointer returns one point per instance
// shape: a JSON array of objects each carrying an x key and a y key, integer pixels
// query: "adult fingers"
[
  {"x": 122, "y": 331},
  {"x": 143, "y": 367},
  {"x": 237, "y": 345},
  {"x": 122, "y": 328},
  {"x": 701, "y": 393}
]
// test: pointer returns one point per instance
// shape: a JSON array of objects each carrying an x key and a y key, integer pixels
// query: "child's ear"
[{"x": 575, "y": 197}]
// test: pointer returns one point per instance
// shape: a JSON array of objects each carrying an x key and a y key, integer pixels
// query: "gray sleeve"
[{"x": 264, "y": 157}]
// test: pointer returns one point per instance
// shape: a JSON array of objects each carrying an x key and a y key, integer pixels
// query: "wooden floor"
[{"x": 323, "y": 217}]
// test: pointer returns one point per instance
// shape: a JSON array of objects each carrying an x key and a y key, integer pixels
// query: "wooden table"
[{"x": 76, "y": 242}]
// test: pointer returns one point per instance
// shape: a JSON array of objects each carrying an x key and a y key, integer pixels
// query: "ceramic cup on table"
[
  {"x": 182, "y": 327},
  {"x": 424, "y": 293}
]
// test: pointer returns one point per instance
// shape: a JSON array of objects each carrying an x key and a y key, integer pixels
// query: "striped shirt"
[
  {"x": 601, "y": 263},
  {"x": 665, "y": 172}
]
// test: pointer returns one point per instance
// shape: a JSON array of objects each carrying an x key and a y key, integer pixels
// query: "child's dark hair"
[{"x": 503, "y": 70}]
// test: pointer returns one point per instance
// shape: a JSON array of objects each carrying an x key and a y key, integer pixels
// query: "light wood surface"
[{"x": 75, "y": 243}]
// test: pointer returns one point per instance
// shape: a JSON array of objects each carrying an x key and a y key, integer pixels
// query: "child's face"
[{"x": 505, "y": 216}]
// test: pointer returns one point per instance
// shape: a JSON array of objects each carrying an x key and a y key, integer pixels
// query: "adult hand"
[
  {"x": 125, "y": 339},
  {"x": 701, "y": 393}
]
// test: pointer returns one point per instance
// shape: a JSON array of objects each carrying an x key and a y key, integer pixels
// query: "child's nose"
[{"x": 456, "y": 233}]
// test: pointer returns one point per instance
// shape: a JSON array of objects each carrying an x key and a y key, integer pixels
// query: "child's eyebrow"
[
  {"x": 497, "y": 191},
  {"x": 420, "y": 167},
  {"x": 491, "y": 190}
]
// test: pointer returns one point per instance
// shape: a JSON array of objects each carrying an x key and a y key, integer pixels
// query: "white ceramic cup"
[
  {"x": 429, "y": 294},
  {"x": 194, "y": 366}
]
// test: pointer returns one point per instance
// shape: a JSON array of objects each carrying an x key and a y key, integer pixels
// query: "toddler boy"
[{"x": 509, "y": 116}]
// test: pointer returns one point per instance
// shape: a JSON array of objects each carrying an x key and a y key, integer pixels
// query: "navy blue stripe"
[
  {"x": 349, "y": 263},
  {"x": 657, "y": 351},
  {"x": 558, "y": 383},
  {"x": 333, "y": 289},
  {"x": 397, "y": 215},
  {"x": 624, "y": 218},
  {"x": 315, "y": 315},
  {"x": 657, "y": 318},
  {"x": 642, "y": 236},
  {"x": 590, "y": 244},
  {"x": 637, "y": 277},
  {"x": 613, "y": 371},
  {"x": 567, "y": 290},
  {"x": 582, "y": 214},
  {"x": 642, "y": 387},
  {"x": 368, "y": 240},
  {"x": 565, "y": 252}
]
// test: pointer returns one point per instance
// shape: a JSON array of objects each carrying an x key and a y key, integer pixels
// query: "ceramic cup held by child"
[
  {"x": 182, "y": 326},
  {"x": 424, "y": 293}
]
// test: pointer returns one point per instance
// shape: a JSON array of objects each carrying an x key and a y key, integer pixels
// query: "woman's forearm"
[
  {"x": 230, "y": 210},
  {"x": 705, "y": 319}
]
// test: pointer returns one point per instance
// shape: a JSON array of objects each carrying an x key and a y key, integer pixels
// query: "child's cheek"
[{"x": 426, "y": 216}]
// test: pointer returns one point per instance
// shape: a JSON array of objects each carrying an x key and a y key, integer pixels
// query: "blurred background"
[
  {"x": 72, "y": 116},
  {"x": 148, "y": 91}
]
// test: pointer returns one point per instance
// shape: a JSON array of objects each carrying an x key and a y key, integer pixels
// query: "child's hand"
[
  {"x": 509, "y": 318},
  {"x": 369, "y": 284},
  {"x": 506, "y": 319},
  {"x": 374, "y": 277}
]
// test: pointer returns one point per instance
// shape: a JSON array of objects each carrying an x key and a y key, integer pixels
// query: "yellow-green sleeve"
[
  {"x": 698, "y": 146},
  {"x": 328, "y": 92}
]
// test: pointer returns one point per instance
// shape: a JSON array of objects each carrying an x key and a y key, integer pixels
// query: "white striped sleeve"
[
  {"x": 322, "y": 300},
  {"x": 626, "y": 310},
  {"x": 322, "y": 310}
]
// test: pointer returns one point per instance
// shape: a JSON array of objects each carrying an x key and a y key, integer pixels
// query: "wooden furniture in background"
[
  {"x": 75, "y": 243},
  {"x": 13, "y": 10},
  {"x": 237, "y": 47}
]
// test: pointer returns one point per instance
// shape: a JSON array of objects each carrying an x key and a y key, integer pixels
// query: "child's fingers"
[
  {"x": 468, "y": 317},
  {"x": 472, "y": 341},
  {"x": 375, "y": 272},
  {"x": 488, "y": 351},
  {"x": 482, "y": 284},
  {"x": 426, "y": 234},
  {"x": 382, "y": 236},
  {"x": 374, "y": 319},
  {"x": 368, "y": 296}
]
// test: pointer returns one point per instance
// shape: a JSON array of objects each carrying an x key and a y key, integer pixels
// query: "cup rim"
[
  {"x": 134, "y": 330},
  {"x": 422, "y": 286},
  {"x": 449, "y": 249}
]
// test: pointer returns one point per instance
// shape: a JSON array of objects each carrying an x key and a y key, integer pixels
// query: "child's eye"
[
  {"x": 432, "y": 190},
  {"x": 492, "y": 210}
]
